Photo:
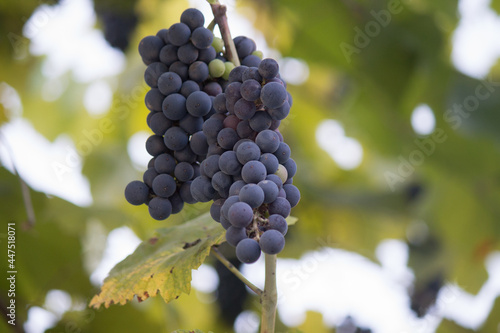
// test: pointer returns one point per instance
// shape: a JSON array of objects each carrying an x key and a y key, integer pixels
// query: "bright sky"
[
  {"x": 374, "y": 294},
  {"x": 475, "y": 41}
]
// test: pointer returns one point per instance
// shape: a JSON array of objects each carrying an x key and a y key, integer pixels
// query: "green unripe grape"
[
  {"x": 282, "y": 173},
  {"x": 258, "y": 53},
  {"x": 216, "y": 68},
  {"x": 218, "y": 44},
  {"x": 229, "y": 67}
]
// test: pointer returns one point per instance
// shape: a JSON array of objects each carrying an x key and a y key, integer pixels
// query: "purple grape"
[
  {"x": 176, "y": 138},
  {"x": 193, "y": 18},
  {"x": 253, "y": 172},
  {"x": 227, "y": 204},
  {"x": 198, "y": 103},
  {"x": 268, "y": 68},
  {"x": 227, "y": 137},
  {"x": 202, "y": 37},
  {"x": 247, "y": 151},
  {"x": 270, "y": 161},
  {"x": 169, "y": 83},
  {"x": 278, "y": 222},
  {"x": 234, "y": 235},
  {"x": 136, "y": 193},
  {"x": 270, "y": 190},
  {"x": 273, "y": 95},
  {"x": 268, "y": 141},
  {"x": 250, "y": 90},
  {"x": 292, "y": 194},
  {"x": 240, "y": 214},
  {"x": 252, "y": 194},
  {"x": 248, "y": 251},
  {"x": 280, "y": 206},
  {"x": 272, "y": 242},
  {"x": 215, "y": 209},
  {"x": 164, "y": 185},
  {"x": 229, "y": 164},
  {"x": 160, "y": 208},
  {"x": 179, "y": 34}
]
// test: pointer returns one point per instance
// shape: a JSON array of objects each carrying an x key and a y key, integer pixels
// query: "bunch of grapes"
[
  {"x": 248, "y": 171},
  {"x": 184, "y": 72},
  {"x": 216, "y": 136}
]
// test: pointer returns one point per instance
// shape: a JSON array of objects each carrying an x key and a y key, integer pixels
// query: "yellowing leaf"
[
  {"x": 189, "y": 331},
  {"x": 162, "y": 264}
]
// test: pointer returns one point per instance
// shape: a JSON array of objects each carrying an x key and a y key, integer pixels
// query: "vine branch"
[
  {"x": 269, "y": 297},
  {"x": 235, "y": 271},
  {"x": 220, "y": 18}
]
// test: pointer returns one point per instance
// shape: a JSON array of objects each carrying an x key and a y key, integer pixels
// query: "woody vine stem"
[{"x": 268, "y": 296}]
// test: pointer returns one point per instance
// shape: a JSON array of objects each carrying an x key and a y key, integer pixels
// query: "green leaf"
[
  {"x": 190, "y": 331},
  {"x": 291, "y": 220},
  {"x": 495, "y": 5},
  {"x": 161, "y": 264}
]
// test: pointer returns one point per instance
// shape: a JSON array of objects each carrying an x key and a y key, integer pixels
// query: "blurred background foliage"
[{"x": 372, "y": 93}]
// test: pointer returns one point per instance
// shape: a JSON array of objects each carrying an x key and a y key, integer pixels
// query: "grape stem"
[
  {"x": 255, "y": 225},
  {"x": 220, "y": 17},
  {"x": 211, "y": 25},
  {"x": 269, "y": 297},
  {"x": 217, "y": 254}
]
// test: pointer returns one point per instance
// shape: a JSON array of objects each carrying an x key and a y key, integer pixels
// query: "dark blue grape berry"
[
  {"x": 248, "y": 251},
  {"x": 272, "y": 242},
  {"x": 136, "y": 192}
]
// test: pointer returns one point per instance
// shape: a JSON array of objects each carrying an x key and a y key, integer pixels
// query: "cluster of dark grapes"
[
  {"x": 216, "y": 136},
  {"x": 248, "y": 170},
  {"x": 186, "y": 69},
  {"x": 179, "y": 101}
]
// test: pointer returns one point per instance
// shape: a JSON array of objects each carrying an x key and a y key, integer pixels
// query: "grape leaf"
[
  {"x": 162, "y": 264},
  {"x": 291, "y": 220}
]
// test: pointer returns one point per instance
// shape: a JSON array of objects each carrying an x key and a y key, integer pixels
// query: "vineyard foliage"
[{"x": 369, "y": 81}]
